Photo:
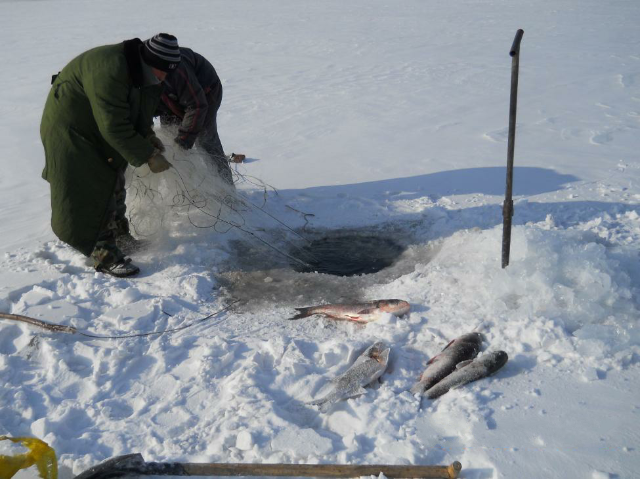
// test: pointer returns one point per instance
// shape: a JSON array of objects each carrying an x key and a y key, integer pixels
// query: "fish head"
[
  {"x": 397, "y": 307},
  {"x": 494, "y": 360},
  {"x": 383, "y": 358},
  {"x": 379, "y": 351},
  {"x": 474, "y": 338}
]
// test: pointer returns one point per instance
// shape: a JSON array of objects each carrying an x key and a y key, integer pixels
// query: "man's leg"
[
  {"x": 106, "y": 255},
  {"x": 209, "y": 139},
  {"x": 120, "y": 198}
]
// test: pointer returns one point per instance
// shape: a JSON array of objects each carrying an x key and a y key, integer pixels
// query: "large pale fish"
[
  {"x": 368, "y": 367},
  {"x": 360, "y": 312},
  {"x": 469, "y": 371},
  {"x": 460, "y": 349}
]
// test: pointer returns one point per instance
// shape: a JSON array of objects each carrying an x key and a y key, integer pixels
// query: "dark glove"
[
  {"x": 184, "y": 143},
  {"x": 156, "y": 142},
  {"x": 158, "y": 163}
]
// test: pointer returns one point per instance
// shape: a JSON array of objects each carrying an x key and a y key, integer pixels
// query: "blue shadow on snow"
[{"x": 527, "y": 181}]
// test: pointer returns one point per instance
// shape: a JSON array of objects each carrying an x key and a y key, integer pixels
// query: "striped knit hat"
[{"x": 162, "y": 52}]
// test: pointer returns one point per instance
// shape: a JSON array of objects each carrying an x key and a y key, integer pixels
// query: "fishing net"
[{"x": 192, "y": 196}]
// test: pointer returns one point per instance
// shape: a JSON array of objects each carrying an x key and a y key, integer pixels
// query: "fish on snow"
[
  {"x": 359, "y": 312},
  {"x": 440, "y": 366},
  {"x": 369, "y": 366},
  {"x": 468, "y": 371}
]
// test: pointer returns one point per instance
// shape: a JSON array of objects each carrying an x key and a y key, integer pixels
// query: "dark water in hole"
[{"x": 348, "y": 255}]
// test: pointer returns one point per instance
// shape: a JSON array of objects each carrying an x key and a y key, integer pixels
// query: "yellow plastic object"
[{"x": 39, "y": 454}]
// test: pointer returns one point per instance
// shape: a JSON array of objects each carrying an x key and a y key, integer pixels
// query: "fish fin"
[
  {"x": 302, "y": 313},
  {"x": 462, "y": 364},
  {"x": 358, "y": 392},
  {"x": 450, "y": 343},
  {"x": 434, "y": 359}
]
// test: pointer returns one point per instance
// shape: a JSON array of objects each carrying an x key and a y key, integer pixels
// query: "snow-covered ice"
[{"x": 373, "y": 117}]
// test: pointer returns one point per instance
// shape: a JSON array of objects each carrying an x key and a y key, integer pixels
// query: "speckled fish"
[
  {"x": 359, "y": 312},
  {"x": 460, "y": 349},
  {"x": 368, "y": 367},
  {"x": 468, "y": 371}
]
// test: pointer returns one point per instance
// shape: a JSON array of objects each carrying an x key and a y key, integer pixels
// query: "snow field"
[
  {"x": 385, "y": 118},
  {"x": 233, "y": 388}
]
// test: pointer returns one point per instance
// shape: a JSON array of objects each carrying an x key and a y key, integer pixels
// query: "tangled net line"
[{"x": 221, "y": 205}]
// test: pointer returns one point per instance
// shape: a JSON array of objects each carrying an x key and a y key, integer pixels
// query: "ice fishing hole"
[{"x": 348, "y": 255}]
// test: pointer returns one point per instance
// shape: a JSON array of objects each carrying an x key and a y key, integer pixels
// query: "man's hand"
[
  {"x": 156, "y": 142},
  {"x": 184, "y": 142},
  {"x": 158, "y": 163}
]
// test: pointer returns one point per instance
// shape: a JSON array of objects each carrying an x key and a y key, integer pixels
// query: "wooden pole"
[
  {"x": 57, "y": 328},
  {"x": 134, "y": 465},
  {"x": 322, "y": 470}
]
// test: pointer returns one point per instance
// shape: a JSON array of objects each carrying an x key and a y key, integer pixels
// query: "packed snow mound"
[{"x": 566, "y": 292}]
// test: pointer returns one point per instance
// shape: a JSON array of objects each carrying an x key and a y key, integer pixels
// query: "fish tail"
[
  {"x": 436, "y": 391},
  {"x": 418, "y": 388},
  {"x": 325, "y": 403},
  {"x": 302, "y": 313},
  {"x": 324, "y": 408},
  {"x": 318, "y": 402}
]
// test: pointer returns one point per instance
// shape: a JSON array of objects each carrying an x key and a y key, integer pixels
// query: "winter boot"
[
  {"x": 120, "y": 269},
  {"x": 108, "y": 259}
]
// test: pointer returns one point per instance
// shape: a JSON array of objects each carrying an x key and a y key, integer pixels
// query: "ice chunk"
[
  {"x": 244, "y": 441},
  {"x": 41, "y": 427},
  {"x": 590, "y": 374},
  {"x": 600, "y": 475}
]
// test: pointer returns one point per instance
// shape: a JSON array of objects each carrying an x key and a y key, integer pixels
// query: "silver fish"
[
  {"x": 368, "y": 367},
  {"x": 469, "y": 371},
  {"x": 360, "y": 312},
  {"x": 460, "y": 349}
]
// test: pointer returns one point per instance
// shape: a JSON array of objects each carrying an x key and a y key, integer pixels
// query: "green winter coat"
[{"x": 96, "y": 120}]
